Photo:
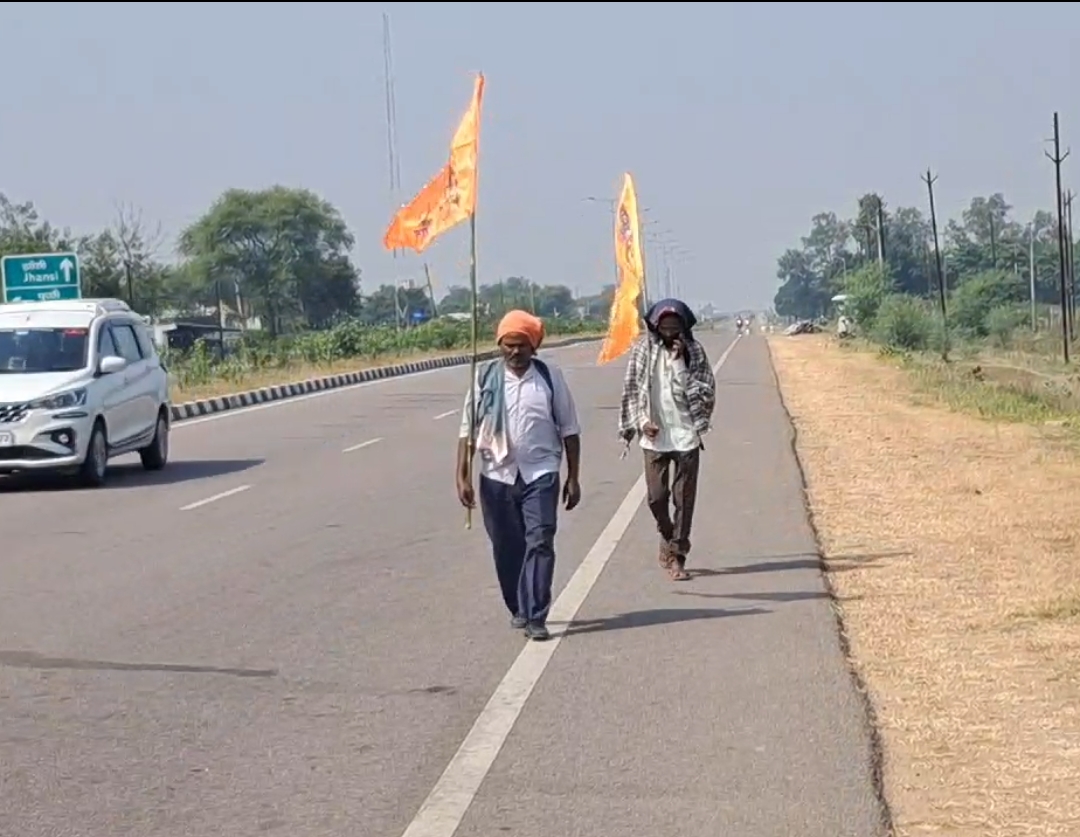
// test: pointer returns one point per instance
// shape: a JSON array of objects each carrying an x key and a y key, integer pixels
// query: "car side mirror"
[{"x": 111, "y": 364}]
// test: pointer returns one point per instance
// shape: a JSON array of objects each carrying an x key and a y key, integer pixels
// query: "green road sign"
[{"x": 41, "y": 276}]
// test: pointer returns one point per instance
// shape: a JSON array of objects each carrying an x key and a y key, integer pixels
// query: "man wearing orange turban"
[
  {"x": 525, "y": 418},
  {"x": 521, "y": 323}
]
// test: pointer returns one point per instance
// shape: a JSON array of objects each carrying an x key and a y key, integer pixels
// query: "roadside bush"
[
  {"x": 971, "y": 303},
  {"x": 903, "y": 322},
  {"x": 1002, "y": 323},
  {"x": 349, "y": 340},
  {"x": 866, "y": 289}
]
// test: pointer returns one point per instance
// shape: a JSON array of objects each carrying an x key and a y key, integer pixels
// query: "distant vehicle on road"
[{"x": 80, "y": 383}]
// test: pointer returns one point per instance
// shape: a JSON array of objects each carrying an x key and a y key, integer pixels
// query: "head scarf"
[
  {"x": 523, "y": 323},
  {"x": 671, "y": 306}
]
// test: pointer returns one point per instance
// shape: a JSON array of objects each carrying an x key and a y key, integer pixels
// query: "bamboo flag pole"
[
  {"x": 443, "y": 203},
  {"x": 473, "y": 359}
]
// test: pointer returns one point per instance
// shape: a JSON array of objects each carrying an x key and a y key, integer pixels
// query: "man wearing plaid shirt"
[{"x": 669, "y": 394}]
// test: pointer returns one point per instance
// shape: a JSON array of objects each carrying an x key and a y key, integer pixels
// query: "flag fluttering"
[
  {"x": 448, "y": 198},
  {"x": 624, "y": 322},
  {"x": 465, "y": 155},
  {"x": 418, "y": 223}
]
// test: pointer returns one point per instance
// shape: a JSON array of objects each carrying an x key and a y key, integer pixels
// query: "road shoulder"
[{"x": 954, "y": 573}]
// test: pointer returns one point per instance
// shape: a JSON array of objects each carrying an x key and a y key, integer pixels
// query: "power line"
[{"x": 394, "y": 161}]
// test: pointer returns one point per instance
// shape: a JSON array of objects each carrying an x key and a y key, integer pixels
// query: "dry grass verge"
[{"x": 964, "y": 618}]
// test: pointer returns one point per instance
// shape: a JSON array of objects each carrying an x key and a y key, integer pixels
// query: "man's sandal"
[{"x": 677, "y": 573}]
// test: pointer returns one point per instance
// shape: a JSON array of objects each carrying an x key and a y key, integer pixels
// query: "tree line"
[
  {"x": 989, "y": 259},
  {"x": 278, "y": 255}
]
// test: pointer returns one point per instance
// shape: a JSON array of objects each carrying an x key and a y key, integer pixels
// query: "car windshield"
[{"x": 30, "y": 350}]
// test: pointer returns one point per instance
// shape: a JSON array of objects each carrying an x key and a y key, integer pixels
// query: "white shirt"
[
  {"x": 676, "y": 425},
  {"x": 535, "y": 442}
]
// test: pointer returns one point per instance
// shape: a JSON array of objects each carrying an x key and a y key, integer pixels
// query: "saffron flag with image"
[
  {"x": 624, "y": 322},
  {"x": 448, "y": 198}
]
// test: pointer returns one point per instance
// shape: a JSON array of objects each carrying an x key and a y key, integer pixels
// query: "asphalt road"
[{"x": 290, "y": 632}]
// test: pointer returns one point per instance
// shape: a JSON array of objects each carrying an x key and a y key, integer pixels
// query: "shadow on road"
[
  {"x": 802, "y": 561},
  {"x": 662, "y": 616},
  {"x": 184, "y": 470},
  {"x": 779, "y": 597},
  {"x": 133, "y": 475},
  {"x": 32, "y": 660}
]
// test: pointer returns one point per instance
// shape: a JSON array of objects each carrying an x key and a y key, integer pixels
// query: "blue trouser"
[{"x": 520, "y": 520}]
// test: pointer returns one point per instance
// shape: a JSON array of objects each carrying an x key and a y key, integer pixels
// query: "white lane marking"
[
  {"x": 446, "y": 805},
  {"x": 297, "y": 399},
  {"x": 362, "y": 445},
  {"x": 215, "y": 498},
  {"x": 444, "y": 415}
]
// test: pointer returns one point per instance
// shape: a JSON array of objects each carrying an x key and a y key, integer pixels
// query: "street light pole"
[
  {"x": 642, "y": 211},
  {"x": 611, "y": 207}
]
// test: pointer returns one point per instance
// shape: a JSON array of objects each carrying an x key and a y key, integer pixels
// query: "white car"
[{"x": 80, "y": 383}]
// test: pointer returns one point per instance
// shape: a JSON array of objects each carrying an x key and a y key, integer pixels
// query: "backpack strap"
[
  {"x": 481, "y": 389},
  {"x": 545, "y": 373}
]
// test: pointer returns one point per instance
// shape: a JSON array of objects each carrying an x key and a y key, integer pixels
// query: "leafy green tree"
[
  {"x": 803, "y": 291},
  {"x": 826, "y": 246},
  {"x": 984, "y": 239},
  {"x": 22, "y": 230},
  {"x": 866, "y": 288},
  {"x": 910, "y": 255},
  {"x": 284, "y": 250},
  {"x": 395, "y": 305},
  {"x": 865, "y": 225}
]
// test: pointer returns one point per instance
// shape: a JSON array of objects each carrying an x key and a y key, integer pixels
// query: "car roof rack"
[
  {"x": 109, "y": 306},
  {"x": 97, "y": 307}
]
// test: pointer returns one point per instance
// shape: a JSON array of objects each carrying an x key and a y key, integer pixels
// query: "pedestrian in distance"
[
  {"x": 669, "y": 394},
  {"x": 525, "y": 421}
]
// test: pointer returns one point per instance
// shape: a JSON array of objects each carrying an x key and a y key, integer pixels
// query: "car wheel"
[
  {"x": 156, "y": 454},
  {"x": 92, "y": 472}
]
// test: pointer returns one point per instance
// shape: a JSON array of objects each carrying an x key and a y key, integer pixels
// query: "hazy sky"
[{"x": 738, "y": 120}]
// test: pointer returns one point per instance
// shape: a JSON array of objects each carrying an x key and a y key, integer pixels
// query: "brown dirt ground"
[{"x": 963, "y": 605}]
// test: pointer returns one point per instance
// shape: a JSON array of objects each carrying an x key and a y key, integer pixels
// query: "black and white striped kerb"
[{"x": 208, "y": 406}]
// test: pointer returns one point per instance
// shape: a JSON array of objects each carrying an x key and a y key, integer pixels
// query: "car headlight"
[{"x": 61, "y": 400}]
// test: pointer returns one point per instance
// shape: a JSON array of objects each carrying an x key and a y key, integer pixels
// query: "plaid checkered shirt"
[{"x": 699, "y": 395}]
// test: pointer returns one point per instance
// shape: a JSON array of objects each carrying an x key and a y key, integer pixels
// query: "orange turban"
[{"x": 524, "y": 323}]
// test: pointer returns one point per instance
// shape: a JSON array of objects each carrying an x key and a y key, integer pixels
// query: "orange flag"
[
  {"x": 624, "y": 322},
  {"x": 448, "y": 198}
]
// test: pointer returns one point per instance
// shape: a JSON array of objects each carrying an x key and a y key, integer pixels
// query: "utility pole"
[
  {"x": 930, "y": 180},
  {"x": 1031, "y": 274},
  {"x": 1071, "y": 257},
  {"x": 928, "y": 269},
  {"x": 880, "y": 233},
  {"x": 993, "y": 242},
  {"x": 221, "y": 318},
  {"x": 1057, "y": 159},
  {"x": 431, "y": 290},
  {"x": 131, "y": 283}
]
